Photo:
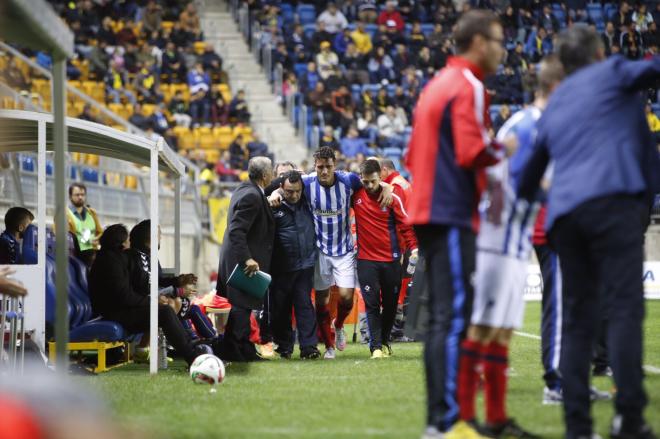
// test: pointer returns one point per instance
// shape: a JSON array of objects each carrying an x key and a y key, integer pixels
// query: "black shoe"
[
  {"x": 602, "y": 371},
  {"x": 620, "y": 430},
  {"x": 310, "y": 353},
  {"x": 481, "y": 429},
  {"x": 508, "y": 429},
  {"x": 285, "y": 355}
]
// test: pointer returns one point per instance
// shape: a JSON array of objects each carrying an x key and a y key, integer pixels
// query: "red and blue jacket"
[{"x": 449, "y": 148}]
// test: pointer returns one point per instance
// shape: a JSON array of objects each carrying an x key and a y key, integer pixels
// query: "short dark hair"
[
  {"x": 578, "y": 47},
  {"x": 15, "y": 216},
  {"x": 369, "y": 166},
  {"x": 140, "y": 235},
  {"x": 323, "y": 153},
  {"x": 472, "y": 23},
  {"x": 292, "y": 177},
  {"x": 79, "y": 186},
  {"x": 113, "y": 237}
]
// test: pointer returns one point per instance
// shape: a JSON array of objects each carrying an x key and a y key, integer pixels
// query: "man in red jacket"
[
  {"x": 379, "y": 254},
  {"x": 391, "y": 16},
  {"x": 448, "y": 151}
]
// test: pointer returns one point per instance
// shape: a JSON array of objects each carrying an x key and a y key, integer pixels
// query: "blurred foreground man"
[{"x": 606, "y": 170}]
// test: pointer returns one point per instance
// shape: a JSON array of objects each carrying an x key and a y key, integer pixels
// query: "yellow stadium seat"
[
  {"x": 180, "y": 131},
  {"x": 212, "y": 156},
  {"x": 130, "y": 182},
  {"x": 207, "y": 141},
  {"x": 199, "y": 47},
  {"x": 242, "y": 130},
  {"x": 75, "y": 84},
  {"x": 3, "y": 63},
  {"x": 187, "y": 141},
  {"x": 148, "y": 109},
  {"x": 92, "y": 160},
  {"x": 167, "y": 25},
  {"x": 119, "y": 127},
  {"x": 78, "y": 106}
]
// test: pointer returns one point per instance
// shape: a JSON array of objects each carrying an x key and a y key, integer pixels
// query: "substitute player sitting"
[
  {"x": 503, "y": 253},
  {"x": 379, "y": 254}
]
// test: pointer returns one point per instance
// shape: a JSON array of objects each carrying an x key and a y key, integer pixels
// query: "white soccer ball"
[{"x": 207, "y": 369}]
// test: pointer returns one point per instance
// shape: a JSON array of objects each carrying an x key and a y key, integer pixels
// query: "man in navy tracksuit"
[
  {"x": 294, "y": 256},
  {"x": 606, "y": 170}
]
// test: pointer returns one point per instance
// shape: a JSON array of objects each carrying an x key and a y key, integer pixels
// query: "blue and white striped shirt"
[
  {"x": 507, "y": 222},
  {"x": 331, "y": 207}
]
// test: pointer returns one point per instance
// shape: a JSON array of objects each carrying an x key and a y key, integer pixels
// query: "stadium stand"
[{"x": 384, "y": 64}]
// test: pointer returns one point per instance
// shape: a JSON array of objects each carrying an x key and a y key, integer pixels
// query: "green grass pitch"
[{"x": 351, "y": 397}]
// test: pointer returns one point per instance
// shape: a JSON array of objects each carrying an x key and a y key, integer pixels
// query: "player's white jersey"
[
  {"x": 507, "y": 223},
  {"x": 331, "y": 207}
]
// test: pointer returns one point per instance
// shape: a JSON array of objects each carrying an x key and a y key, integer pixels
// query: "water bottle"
[
  {"x": 162, "y": 350},
  {"x": 412, "y": 262}
]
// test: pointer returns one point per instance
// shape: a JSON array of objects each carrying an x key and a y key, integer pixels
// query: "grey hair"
[
  {"x": 578, "y": 46},
  {"x": 258, "y": 168},
  {"x": 287, "y": 163}
]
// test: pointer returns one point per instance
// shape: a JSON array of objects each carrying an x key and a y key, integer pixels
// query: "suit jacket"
[
  {"x": 249, "y": 234},
  {"x": 595, "y": 133}
]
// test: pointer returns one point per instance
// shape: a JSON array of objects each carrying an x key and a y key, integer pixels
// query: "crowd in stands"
[
  {"x": 155, "y": 69},
  {"x": 359, "y": 65}
]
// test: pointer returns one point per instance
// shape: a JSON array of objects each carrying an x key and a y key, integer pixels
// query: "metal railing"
[{"x": 11, "y": 312}]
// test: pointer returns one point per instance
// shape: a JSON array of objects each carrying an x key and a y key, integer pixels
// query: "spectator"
[
  {"x": 651, "y": 38},
  {"x": 328, "y": 139},
  {"x": 538, "y": 45},
  {"x": 509, "y": 24},
  {"x": 114, "y": 298},
  {"x": 320, "y": 36},
  {"x": 356, "y": 66},
  {"x": 189, "y": 19},
  {"x": 87, "y": 114},
  {"x": 391, "y": 17},
  {"x": 294, "y": 256},
  {"x": 547, "y": 20},
  {"x": 152, "y": 17},
  {"x": 297, "y": 39},
  {"x": 333, "y": 19},
  {"x": 362, "y": 39},
  {"x": 238, "y": 154},
  {"x": 352, "y": 144},
  {"x": 179, "y": 110},
  {"x": 426, "y": 65},
  {"x": 367, "y": 11},
  {"x": 17, "y": 220},
  {"x": 107, "y": 34},
  {"x": 382, "y": 100},
  {"x": 309, "y": 78},
  {"x": 83, "y": 223},
  {"x": 127, "y": 34},
  {"x": 518, "y": 59},
  {"x": 341, "y": 42},
  {"x": 502, "y": 116},
  {"x": 610, "y": 37},
  {"x": 341, "y": 100},
  {"x": 219, "y": 109},
  {"x": 238, "y": 108},
  {"x": 158, "y": 120},
  {"x": 199, "y": 84},
  {"x": 326, "y": 60},
  {"x": 116, "y": 81},
  {"x": 416, "y": 39},
  {"x": 98, "y": 59},
  {"x": 642, "y": 18},
  {"x": 437, "y": 37},
  {"x": 380, "y": 66},
  {"x": 652, "y": 119},
  {"x": 319, "y": 101},
  {"x": 211, "y": 62},
  {"x": 138, "y": 118},
  {"x": 257, "y": 148},
  {"x": 146, "y": 84},
  {"x": 146, "y": 56},
  {"x": 172, "y": 68},
  {"x": 623, "y": 17},
  {"x": 347, "y": 119},
  {"x": 223, "y": 168},
  {"x": 391, "y": 127}
]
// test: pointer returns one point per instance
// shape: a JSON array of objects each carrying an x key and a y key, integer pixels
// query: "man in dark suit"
[
  {"x": 248, "y": 241},
  {"x": 594, "y": 132}
]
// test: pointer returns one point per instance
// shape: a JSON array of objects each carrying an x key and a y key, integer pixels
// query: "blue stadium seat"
[
  {"x": 49, "y": 167},
  {"x": 309, "y": 30},
  {"x": 286, "y": 11},
  {"x": 493, "y": 110},
  {"x": 371, "y": 29},
  {"x": 355, "y": 92},
  {"x": 392, "y": 152},
  {"x": 27, "y": 163},
  {"x": 90, "y": 175},
  {"x": 306, "y": 14},
  {"x": 427, "y": 29},
  {"x": 609, "y": 10},
  {"x": 407, "y": 29},
  {"x": 371, "y": 88}
]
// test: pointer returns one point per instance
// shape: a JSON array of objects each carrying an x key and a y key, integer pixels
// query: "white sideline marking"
[{"x": 647, "y": 367}]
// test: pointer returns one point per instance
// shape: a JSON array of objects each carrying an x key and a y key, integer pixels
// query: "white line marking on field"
[
  {"x": 528, "y": 335},
  {"x": 647, "y": 367}
]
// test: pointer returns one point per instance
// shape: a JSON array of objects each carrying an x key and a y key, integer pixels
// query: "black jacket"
[
  {"x": 249, "y": 234},
  {"x": 139, "y": 267},
  {"x": 295, "y": 238},
  {"x": 110, "y": 287}
]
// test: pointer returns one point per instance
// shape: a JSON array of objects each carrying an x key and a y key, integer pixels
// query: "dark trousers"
[
  {"x": 449, "y": 254},
  {"x": 379, "y": 283},
  {"x": 265, "y": 319},
  {"x": 289, "y": 290},
  {"x": 600, "y": 243},
  {"x": 236, "y": 345},
  {"x": 136, "y": 320},
  {"x": 551, "y": 315}
]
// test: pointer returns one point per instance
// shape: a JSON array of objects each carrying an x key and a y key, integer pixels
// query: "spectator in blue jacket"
[
  {"x": 538, "y": 44},
  {"x": 352, "y": 144},
  {"x": 605, "y": 174},
  {"x": 17, "y": 220},
  {"x": 199, "y": 84},
  {"x": 341, "y": 42}
]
